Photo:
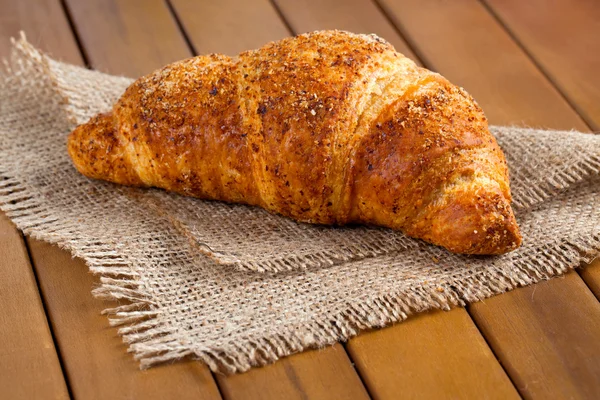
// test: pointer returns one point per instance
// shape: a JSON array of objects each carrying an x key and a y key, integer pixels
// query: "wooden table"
[{"x": 534, "y": 63}]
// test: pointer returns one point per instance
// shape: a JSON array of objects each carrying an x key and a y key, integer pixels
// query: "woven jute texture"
[{"x": 238, "y": 287}]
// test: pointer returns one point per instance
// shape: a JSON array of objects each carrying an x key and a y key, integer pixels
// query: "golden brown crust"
[
  {"x": 97, "y": 150},
  {"x": 328, "y": 127}
]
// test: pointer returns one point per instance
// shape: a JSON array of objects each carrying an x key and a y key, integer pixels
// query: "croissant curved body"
[{"x": 328, "y": 127}]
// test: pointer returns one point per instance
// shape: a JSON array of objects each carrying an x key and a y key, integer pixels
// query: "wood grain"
[
  {"x": 29, "y": 364},
  {"x": 43, "y": 22},
  {"x": 129, "y": 44},
  {"x": 96, "y": 360},
  {"x": 435, "y": 355},
  {"x": 559, "y": 35},
  {"x": 563, "y": 36},
  {"x": 544, "y": 354},
  {"x": 378, "y": 355},
  {"x": 358, "y": 16},
  {"x": 591, "y": 276},
  {"x": 314, "y": 374},
  {"x": 130, "y": 38},
  {"x": 229, "y": 26},
  {"x": 94, "y": 357},
  {"x": 463, "y": 42}
]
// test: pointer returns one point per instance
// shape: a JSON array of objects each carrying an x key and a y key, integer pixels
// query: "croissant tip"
[
  {"x": 498, "y": 233},
  {"x": 482, "y": 225},
  {"x": 498, "y": 240}
]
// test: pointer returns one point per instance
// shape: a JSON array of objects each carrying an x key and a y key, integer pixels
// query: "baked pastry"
[{"x": 327, "y": 127}]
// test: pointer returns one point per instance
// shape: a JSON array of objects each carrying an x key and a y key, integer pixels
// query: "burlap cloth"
[{"x": 238, "y": 287}]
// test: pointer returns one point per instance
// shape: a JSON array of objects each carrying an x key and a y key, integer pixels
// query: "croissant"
[{"x": 327, "y": 127}]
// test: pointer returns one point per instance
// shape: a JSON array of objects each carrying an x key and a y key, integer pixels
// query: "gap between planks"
[
  {"x": 409, "y": 15},
  {"x": 94, "y": 358},
  {"x": 300, "y": 13},
  {"x": 565, "y": 118},
  {"x": 29, "y": 362},
  {"x": 299, "y": 374},
  {"x": 569, "y": 89}
]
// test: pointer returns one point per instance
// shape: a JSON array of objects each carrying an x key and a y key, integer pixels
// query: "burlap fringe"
[{"x": 153, "y": 342}]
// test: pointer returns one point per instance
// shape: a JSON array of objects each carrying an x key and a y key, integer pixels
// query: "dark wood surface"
[{"x": 527, "y": 63}]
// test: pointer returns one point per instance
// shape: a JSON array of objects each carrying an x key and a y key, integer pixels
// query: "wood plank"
[
  {"x": 363, "y": 16},
  {"x": 43, "y": 21},
  {"x": 96, "y": 360},
  {"x": 94, "y": 357},
  {"x": 229, "y": 26},
  {"x": 358, "y": 16},
  {"x": 545, "y": 358},
  {"x": 563, "y": 36},
  {"x": 559, "y": 36},
  {"x": 290, "y": 358},
  {"x": 591, "y": 276},
  {"x": 381, "y": 355},
  {"x": 434, "y": 355},
  {"x": 130, "y": 38},
  {"x": 29, "y": 365},
  {"x": 461, "y": 40},
  {"x": 314, "y": 374}
]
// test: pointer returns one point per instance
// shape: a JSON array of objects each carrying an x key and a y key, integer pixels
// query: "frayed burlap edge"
[{"x": 153, "y": 343}]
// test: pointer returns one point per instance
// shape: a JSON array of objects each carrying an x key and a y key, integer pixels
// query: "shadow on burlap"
[{"x": 238, "y": 287}]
